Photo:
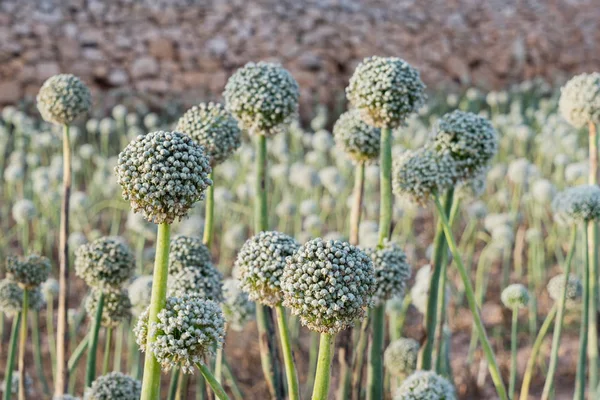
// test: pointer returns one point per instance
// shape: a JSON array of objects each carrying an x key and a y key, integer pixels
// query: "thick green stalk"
[
  {"x": 174, "y": 384},
  {"x": 62, "y": 331},
  {"x": 439, "y": 249},
  {"x": 548, "y": 385},
  {"x": 375, "y": 367},
  {"x": 288, "y": 356},
  {"x": 513, "y": 353},
  {"x": 107, "y": 346},
  {"x": 151, "y": 380},
  {"x": 583, "y": 334},
  {"x": 90, "y": 374},
  {"x": 359, "y": 358},
  {"x": 323, "y": 374},
  {"x": 313, "y": 355},
  {"x": 212, "y": 382},
  {"x": 23, "y": 345},
  {"x": 77, "y": 354},
  {"x": 592, "y": 248},
  {"x": 12, "y": 351},
  {"x": 219, "y": 364},
  {"x": 120, "y": 333},
  {"x": 209, "y": 214},
  {"x": 487, "y": 348},
  {"x": 37, "y": 351}
]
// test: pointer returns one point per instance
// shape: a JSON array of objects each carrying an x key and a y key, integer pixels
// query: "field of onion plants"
[{"x": 411, "y": 246}]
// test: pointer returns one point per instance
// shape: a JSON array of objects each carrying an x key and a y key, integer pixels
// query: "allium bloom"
[
  {"x": 515, "y": 296},
  {"x": 355, "y": 137},
  {"x": 163, "y": 174},
  {"x": 187, "y": 251},
  {"x": 30, "y": 272},
  {"x": 116, "y": 307},
  {"x": 391, "y": 272},
  {"x": 262, "y": 97},
  {"x": 140, "y": 292},
  {"x": 11, "y": 298},
  {"x": 114, "y": 386},
  {"x": 580, "y": 100},
  {"x": 23, "y": 211},
  {"x": 203, "y": 280},
  {"x": 214, "y": 128},
  {"x": 328, "y": 284},
  {"x": 260, "y": 264},
  {"x": 421, "y": 174},
  {"x": 106, "y": 261},
  {"x": 578, "y": 204},
  {"x": 188, "y": 329},
  {"x": 50, "y": 288},
  {"x": 574, "y": 288},
  {"x": 425, "y": 385},
  {"x": 386, "y": 91},
  {"x": 400, "y": 357},
  {"x": 62, "y": 98},
  {"x": 470, "y": 140},
  {"x": 237, "y": 307}
]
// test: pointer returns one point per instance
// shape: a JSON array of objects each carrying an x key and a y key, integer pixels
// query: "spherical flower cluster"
[
  {"x": 328, "y": 284},
  {"x": 107, "y": 261},
  {"x": 187, "y": 251},
  {"x": 580, "y": 100},
  {"x": 163, "y": 174},
  {"x": 392, "y": 271},
  {"x": 11, "y": 298},
  {"x": 50, "y": 288},
  {"x": 400, "y": 357},
  {"x": 114, "y": 386},
  {"x": 204, "y": 281},
  {"x": 140, "y": 293},
  {"x": 237, "y": 307},
  {"x": 260, "y": 264},
  {"x": 578, "y": 204},
  {"x": 263, "y": 97},
  {"x": 515, "y": 296},
  {"x": 469, "y": 139},
  {"x": 116, "y": 306},
  {"x": 359, "y": 140},
  {"x": 62, "y": 98},
  {"x": 422, "y": 173},
  {"x": 23, "y": 211},
  {"x": 188, "y": 329},
  {"x": 556, "y": 286},
  {"x": 214, "y": 128},
  {"x": 425, "y": 385},
  {"x": 30, "y": 272},
  {"x": 386, "y": 91}
]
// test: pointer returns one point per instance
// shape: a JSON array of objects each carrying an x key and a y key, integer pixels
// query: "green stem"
[
  {"x": 487, "y": 348},
  {"x": 233, "y": 385},
  {"x": 209, "y": 214},
  {"x": 592, "y": 248},
  {"x": 212, "y": 382},
  {"x": 151, "y": 380},
  {"x": 119, "y": 347},
  {"x": 12, "y": 351},
  {"x": 548, "y": 385},
  {"x": 513, "y": 353},
  {"x": 288, "y": 357},
  {"x": 359, "y": 358},
  {"x": 183, "y": 386},
  {"x": 37, "y": 354},
  {"x": 23, "y": 345},
  {"x": 219, "y": 364},
  {"x": 385, "y": 183},
  {"x": 261, "y": 221},
  {"x": 375, "y": 367},
  {"x": 107, "y": 346},
  {"x": 174, "y": 384},
  {"x": 90, "y": 375},
  {"x": 323, "y": 374},
  {"x": 357, "y": 200},
  {"x": 50, "y": 333},
  {"x": 77, "y": 354},
  {"x": 583, "y": 334}
]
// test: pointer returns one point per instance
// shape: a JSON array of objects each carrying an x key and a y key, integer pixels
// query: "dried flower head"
[
  {"x": 107, "y": 261},
  {"x": 163, "y": 174},
  {"x": 30, "y": 272},
  {"x": 187, "y": 251},
  {"x": 392, "y": 271},
  {"x": 578, "y": 204},
  {"x": 574, "y": 288},
  {"x": 328, "y": 284},
  {"x": 214, "y": 128},
  {"x": 260, "y": 264},
  {"x": 425, "y": 385},
  {"x": 62, "y": 98},
  {"x": 400, "y": 357},
  {"x": 263, "y": 97},
  {"x": 140, "y": 293},
  {"x": 188, "y": 329},
  {"x": 515, "y": 296},
  {"x": 116, "y": 306},
  {"x": 114, "y": 386},
  {"x": 237, "y": 307},
  {"x": 386, "y": 91},
  {"x": 580, "y": 100},
  {"x": 203, "y": 280},
  {"x": 359, "y": 140}
]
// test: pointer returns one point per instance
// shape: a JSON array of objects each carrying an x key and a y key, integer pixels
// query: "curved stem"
[
  {"x": 77, "y": 354},
  {"x": 288, "y": 356},
  {"x": 12, "y": 351},
  {"x": 23, "y": 345},
  {"x": 487, "y": 348},
  {"x": 62, "y": 331},
  {"x": 583, "y": 334},
  {"x": 107, "y": 345},
  {"x": 212, "y": 382},
  {"x": 513, "y": 353},
  {"x": 548, "y": 385},
  {"x": 209, "y": 214},
  {"x": 90, "y": 374},
  {"x": 151, "y": 380},
  {"x": 323, "y": 374}
]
